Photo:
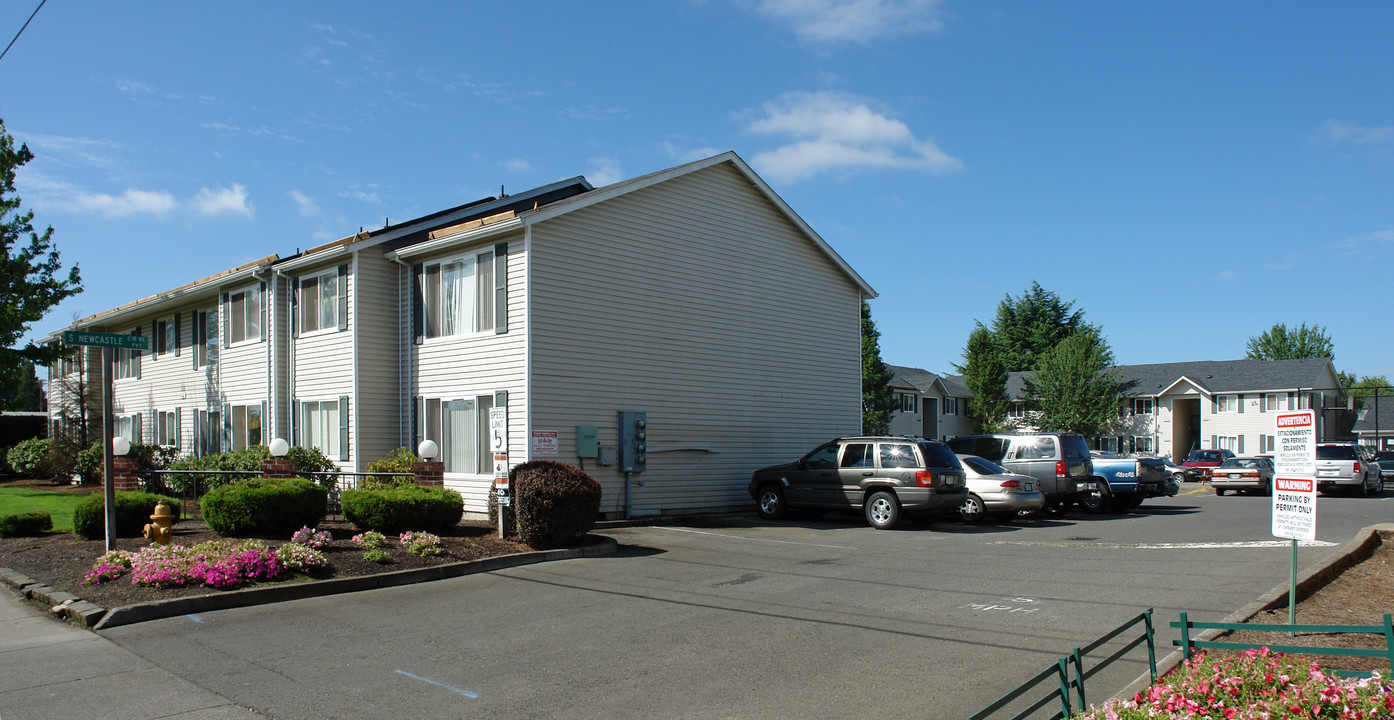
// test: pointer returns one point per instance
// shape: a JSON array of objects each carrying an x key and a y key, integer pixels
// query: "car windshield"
[
  {"x": 1073, "y": 447},
  {"x": 1204, "y": 456},
  {"x": 1335, "y": 452},
  {"x": 936, "y": 455},
  {"x": 983, "y": 467}
]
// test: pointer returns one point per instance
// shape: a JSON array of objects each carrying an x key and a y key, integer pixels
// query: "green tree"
[
  {"x": 985, "y": 373},
  {"x": 20, "y": 388},
  {"x": 30, "y": 279},
  {"x": 878, "y": 399},
  {"x": 1365, "y": 386},
  {"x": 1075, "y": 388},
  {"x": 1028, "y": 326},
  {"x": 1281, "y": 343}
]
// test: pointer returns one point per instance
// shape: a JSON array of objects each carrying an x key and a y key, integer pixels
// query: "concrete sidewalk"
[{"x": 50, "y": 669}]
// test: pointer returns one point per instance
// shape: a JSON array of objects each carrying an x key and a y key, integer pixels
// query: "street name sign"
[{"x": 107, "y": 340}]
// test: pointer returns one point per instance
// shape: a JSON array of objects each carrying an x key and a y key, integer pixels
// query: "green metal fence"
[
  {"x": 1387, "y": 630},
  {"x": 1069, "y": 673}
]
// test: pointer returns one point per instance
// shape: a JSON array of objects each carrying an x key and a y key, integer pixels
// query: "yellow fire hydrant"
[{"x": 160, "y": 530}]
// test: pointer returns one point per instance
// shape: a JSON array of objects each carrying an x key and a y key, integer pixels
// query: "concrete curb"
[
  {"x": 98, "y": 618},
  {"x": 1308, "y": 581}
]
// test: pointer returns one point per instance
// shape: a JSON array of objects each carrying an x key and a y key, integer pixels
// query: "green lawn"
[{"x": 58, "y": 505}]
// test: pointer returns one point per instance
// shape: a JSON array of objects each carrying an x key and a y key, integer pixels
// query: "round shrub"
[
  {"x": 405, "y": 507},
  {"x": 133, "y": 511},
  {"x": 264, "y": 507},
  {"x": 29, "y": 458},
  {"x": 400, "y": 461},
  {"x": 556, "y": 503},
  {"x": 25, "y": 524}
]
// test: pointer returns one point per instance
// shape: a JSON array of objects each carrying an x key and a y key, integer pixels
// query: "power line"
[{"x": 21, "y": 30}]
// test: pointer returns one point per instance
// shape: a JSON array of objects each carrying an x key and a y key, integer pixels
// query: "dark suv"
[
  {"x": 881, "y": 476},
  {"x": 1060, "y": 461}
]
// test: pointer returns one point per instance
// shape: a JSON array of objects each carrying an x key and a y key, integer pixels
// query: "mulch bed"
[{"x": 60, "y": 560}]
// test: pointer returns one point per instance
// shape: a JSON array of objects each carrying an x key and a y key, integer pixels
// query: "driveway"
[{"x": 747, "y": 619}]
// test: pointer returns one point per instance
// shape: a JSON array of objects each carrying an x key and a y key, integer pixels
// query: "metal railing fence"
[{"x": 1186, "y": 643}]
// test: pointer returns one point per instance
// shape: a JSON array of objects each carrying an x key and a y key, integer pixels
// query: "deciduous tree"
[
  {"x": 1281, "y": 343},
  {"x": 1075, "y": 388}
]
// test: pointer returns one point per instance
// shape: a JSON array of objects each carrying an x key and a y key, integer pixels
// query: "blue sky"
[{"x": 1188, "y": 172}]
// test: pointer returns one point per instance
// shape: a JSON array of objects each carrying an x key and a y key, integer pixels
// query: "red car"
[{"x": 1201, "y": 462}]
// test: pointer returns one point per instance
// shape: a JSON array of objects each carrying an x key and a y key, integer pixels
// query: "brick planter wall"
[
  {"x": 278, "y": 468},
  {"x": 430, "y": 473},
  {"x": 124, "y": 478}
]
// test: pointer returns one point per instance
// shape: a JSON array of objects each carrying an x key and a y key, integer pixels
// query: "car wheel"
[
  {"x": 1178, "y": 477},
  {"x": 771, "y": 502},
  {"x": 1056, "y": 508},
  {"x": 1098, "y": 500},
  {"x": 1219, "y": 491},
  {"x": 971, "y": 511},
  {"x": 882, "y": 510},
  {"x": 1267, "y": 489}
]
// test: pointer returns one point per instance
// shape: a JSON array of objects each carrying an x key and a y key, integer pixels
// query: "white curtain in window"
[
  {"x": 329, "y": 300},
  {"x": 485, "y": 462},
  {"x": 458, "y": 449},
  {"x": 457, "y": 298},
  {"x": 253, "y": 314},
  {"x": 484, "y": 293}
]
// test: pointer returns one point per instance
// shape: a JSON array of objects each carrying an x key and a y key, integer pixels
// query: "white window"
[
  {"x": 128, "y": 426},
  {"x": 1228, "y": 442},
  {"x": 205, "y": 329},
  {"x": 166, "y": 340},
  {"x": 1142, "y": 406},
  {"x": 244, "y": 316},
  {"x": 319, "y": 301},
  {"x": 246, "y": 426},
  {"x": 1017, "y": 410},
  {"x": 950, "y": 406},
  {"x": 166, "y": 428},
  {"x": 208, "y": 429},
  {"x": 1227, "y": 404},
  {"x": 908, "y": 403},
  {"x": 458, "y": 295},
  {"x": 460, "y": 427},
  {"x": 1142, "y": 443},
  {"x": 127, "y": 363},
  {"x": 1276, "y": 402},
  {"x": 320, "y": 426}
]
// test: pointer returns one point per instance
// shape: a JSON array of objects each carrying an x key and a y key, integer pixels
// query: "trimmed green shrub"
[
  {"x": 30, "y": 458},
  {"x": 264, "y": 507},
  {"x": 406, "y": 507},
  {"x": 133, "y": 511},
  {"x": 556, "y": 503},
  {"x": 400, "y": 461},
  {"x": 26, "y": 524}
]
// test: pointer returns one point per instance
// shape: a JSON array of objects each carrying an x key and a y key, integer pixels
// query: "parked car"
[
  {"x": 1179, "y": 473},
  {"x": 1386, "y": 464},
  {"x": 1123, "y": 483},
  {"x": 1201, "y": 462},
  {"x": 1349, "y": 466},
  {"x": 1250, "y": 474},
  {"x": 1059, "y": 462},
  {"x": 881, "y": 476},
  {"x": 992, "y": 490}
]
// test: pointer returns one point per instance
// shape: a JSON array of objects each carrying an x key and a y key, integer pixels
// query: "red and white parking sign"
[{"x": 1294, "y": 482}]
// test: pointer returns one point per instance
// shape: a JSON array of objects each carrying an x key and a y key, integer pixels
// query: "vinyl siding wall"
[
  {"x": 460, "y": 367},
  {"x": 377, "y": 338},
  {"x": 323, "y": 364},
  {"x": 695, "y": 301}
]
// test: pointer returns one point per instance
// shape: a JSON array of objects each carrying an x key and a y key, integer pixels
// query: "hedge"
[
  {"x": 133, "y": 511},
  {"x": 26, "y": 524},
  {"x": 264, "y": 507},
  {"x": 556, "y": 503},
  {"x": 401, "y": 508}
]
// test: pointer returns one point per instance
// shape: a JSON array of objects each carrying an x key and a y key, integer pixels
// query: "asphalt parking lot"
[{"x": 749, "y": 619}]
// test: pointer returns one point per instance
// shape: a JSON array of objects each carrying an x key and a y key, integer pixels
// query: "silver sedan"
[{"x": 992, "y": 490}]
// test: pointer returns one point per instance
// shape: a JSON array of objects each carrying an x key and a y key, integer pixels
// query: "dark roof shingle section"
[
  {"x": 1214, "y": 376},
  {"x": 1377, "y": 412}
]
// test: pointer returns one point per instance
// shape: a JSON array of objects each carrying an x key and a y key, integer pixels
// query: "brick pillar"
[
  {"x": 123, "y": 470},
  {"x": 282, "y": 467},
  {"x": 430, "y": 473}
]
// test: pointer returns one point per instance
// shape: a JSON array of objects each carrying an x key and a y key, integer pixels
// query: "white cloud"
[
  {"x": 859, "y": 21},
  {"x": 830, "y": 130},
  {"x": 308, "y": 207},
  {"x": 363, "y": 193},
  {"x": 685, "y": 155},
  {"x": 604, "y": 171},
  {"x": 1346, "y": 132},
  {"x": 1377, "y": 238},
  {"x": 517, "y": 165},
  {"x": 227, "y": 201},
  {"x": 131, "y": 202}
]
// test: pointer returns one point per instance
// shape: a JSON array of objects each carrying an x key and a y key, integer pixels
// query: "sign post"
[
  {"x": 1295, "y": 488},
  {"x": 109, "y": 343},
  {"x": 498, "y": 444}
]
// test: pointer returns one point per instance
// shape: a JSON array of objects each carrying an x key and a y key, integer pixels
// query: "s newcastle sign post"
[{"x": 1295, "y": 487}]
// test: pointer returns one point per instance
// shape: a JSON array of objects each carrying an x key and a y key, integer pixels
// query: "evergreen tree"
[
  {"x": 20, "y": 389},
  {"x": 1028, "y": 326},
  {"x": 1281, "y": 343},
  {"x": 878, "y": 399},
  {"x": 30, "y": 279}
]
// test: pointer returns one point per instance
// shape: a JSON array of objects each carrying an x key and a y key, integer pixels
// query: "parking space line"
[
  {"x": 466, "y": 693},
  {"x": 1245, "y": 544},
  {"x": 764, "y": 540}
]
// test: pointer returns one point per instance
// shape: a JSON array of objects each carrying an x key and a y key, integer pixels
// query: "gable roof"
[
  {"x": 1211, "y": 377},
  {"x": 921, "y": 380}
]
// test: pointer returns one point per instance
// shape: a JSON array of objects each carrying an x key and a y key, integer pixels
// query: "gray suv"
[
  {"x": 1060, "y": 461},
  {"x": 1350, "y": 466},
  {"x": 881, "y": 476}
]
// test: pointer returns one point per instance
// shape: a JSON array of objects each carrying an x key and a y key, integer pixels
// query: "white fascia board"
[
  {"x": 1183, "y": 379},
  {"x": 154, "y": 304},
  {"x": 449, "y": 241}
]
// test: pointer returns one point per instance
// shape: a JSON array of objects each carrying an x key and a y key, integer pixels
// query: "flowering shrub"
[
  {"x": 369, "y": 540},
  {"x": 312, "y": 538},
  {"x": 219, "y": 564},
  {"x": 420, "y": 543},
  {"x": 1251, "y": 685}
]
